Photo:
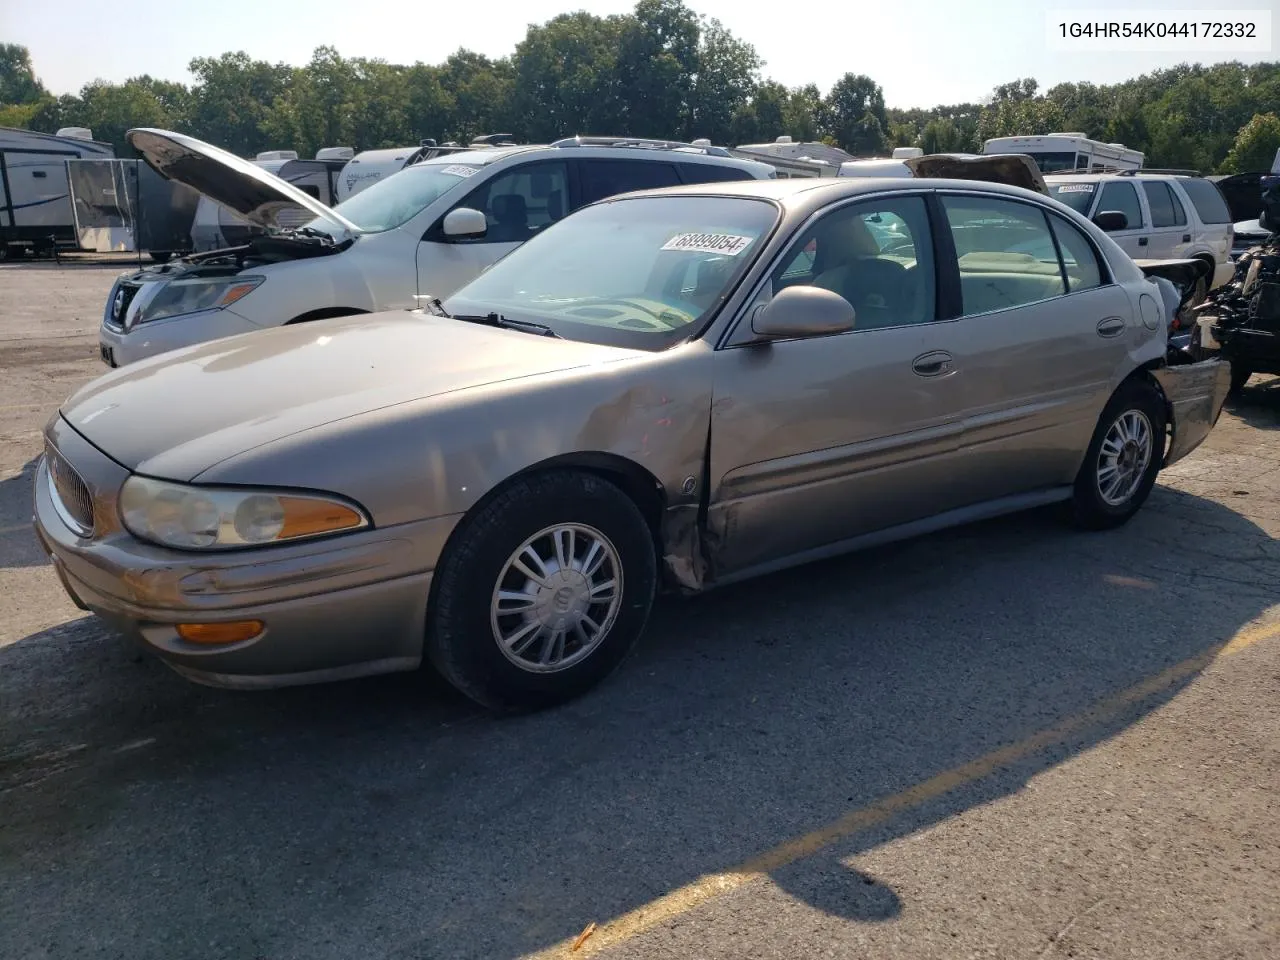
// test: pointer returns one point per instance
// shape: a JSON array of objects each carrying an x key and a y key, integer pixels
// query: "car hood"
[
  {"x": 1015, "y": 169},
  {"x": 254, "y": 193},
  {"x": 177, "y": 414}
]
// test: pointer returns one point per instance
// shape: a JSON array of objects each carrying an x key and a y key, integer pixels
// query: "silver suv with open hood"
[{"x": 420, "y": 233}]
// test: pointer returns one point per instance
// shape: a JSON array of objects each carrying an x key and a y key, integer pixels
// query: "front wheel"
[
  {"x": 544, "y": 594},
  {"x": 1123, "y": 458}
]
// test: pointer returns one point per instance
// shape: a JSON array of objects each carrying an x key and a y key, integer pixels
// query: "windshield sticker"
[
  {"x": 457, "y": 170},
  {"x": 1075, "y": 188},
  {"x": 726, "y": 243}
]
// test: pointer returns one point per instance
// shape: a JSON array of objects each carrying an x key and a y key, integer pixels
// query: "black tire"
[
  {"x": 1089, "y": 509},
  {"x": 460, "y": 638},
  {"x": 161, "y": 256},
  {"x": 1239, "y": 376}
]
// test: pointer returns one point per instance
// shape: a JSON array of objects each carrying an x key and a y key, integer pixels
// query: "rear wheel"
[
  {"x": 544, "y": 594},
  {"x": 1123, "y": 459}
]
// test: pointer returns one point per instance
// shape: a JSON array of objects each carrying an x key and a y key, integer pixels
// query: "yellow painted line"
[{"x": 686, "y": 898}]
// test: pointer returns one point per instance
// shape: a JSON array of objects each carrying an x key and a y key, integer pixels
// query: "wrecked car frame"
[{"x": 686, "y": 386}]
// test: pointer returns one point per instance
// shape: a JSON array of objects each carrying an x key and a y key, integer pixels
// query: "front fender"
[{"x": 1196, "y": 393}]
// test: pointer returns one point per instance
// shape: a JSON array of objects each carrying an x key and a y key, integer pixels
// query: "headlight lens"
[
  {"x": 191, "y": 296},
  {"x": 209, "y": 518}
]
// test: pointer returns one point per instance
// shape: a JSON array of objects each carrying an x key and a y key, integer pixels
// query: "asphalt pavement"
[{"x": 1011, "y": 740}]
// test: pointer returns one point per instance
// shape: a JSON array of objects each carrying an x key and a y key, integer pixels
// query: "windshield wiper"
[{"x": 498, "y": 320}]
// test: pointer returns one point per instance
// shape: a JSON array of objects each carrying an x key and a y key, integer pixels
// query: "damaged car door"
[{"x": 822, "y": 433}]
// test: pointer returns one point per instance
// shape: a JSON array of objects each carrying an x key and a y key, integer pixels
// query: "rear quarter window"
[{"x": 1207, "y": 200}]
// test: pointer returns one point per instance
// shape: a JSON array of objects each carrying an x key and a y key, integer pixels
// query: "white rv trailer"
[
  {"x": 1058, "y": 152},
  {"x": 35, "y": 198}
]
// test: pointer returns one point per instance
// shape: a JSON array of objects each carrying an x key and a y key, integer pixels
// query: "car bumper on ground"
[
  {"x": 332, "y": 609},
  {"x": 116, "y": 348}
]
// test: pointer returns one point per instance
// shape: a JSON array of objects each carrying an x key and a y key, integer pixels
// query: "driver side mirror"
[
  {"x": 802, "y": 311},
  {"x": 464, "y": 222},
  {"x": 1111, "y": 220}
]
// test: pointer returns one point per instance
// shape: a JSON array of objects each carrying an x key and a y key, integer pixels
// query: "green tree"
[
  {"x": 1256, "y": 145},
  {"x": 855, "y": 115},
  {"x": 728, "y": 71},
  {"x": 566, "y": 76},
  {"x": 18, "y": 83},
  {"x": 482, "y": 91},
  {"x": 657, "y": 62},
  {"x": 233, "y": 98},
  {"x": 805, "y": 113}
]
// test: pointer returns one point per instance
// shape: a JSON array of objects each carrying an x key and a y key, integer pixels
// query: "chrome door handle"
[
  {"x": 1111, "y": 327},
  {"x": 932, "y": 364}
]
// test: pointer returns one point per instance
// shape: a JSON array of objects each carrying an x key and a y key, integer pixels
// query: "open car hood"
[
  {"x": 1015, "y": 169},
  {"x": 258, "y": 196}
]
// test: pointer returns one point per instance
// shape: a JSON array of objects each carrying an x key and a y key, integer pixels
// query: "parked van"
[{"x": 421, "y": 233}]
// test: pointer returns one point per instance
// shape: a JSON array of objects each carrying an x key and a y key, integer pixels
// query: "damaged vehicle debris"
[
  {"x": 1240, "y": 322},
  {"x": 676, "y": 388}
]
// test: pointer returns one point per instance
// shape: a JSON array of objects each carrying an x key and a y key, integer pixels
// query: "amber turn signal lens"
[
  {"x": 233, "y": 632},
  {"x": 305, "y": 517}
]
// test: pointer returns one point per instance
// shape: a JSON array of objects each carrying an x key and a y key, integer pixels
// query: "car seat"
[{"x": 512, "y": 214}]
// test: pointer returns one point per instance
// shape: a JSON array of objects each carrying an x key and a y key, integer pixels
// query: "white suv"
[
  {"x": 423, "y": 232},
  {"x": 1169, "y": 216}
]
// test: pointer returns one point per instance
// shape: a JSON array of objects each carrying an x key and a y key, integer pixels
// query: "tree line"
[{"x": 660, "y": 71}]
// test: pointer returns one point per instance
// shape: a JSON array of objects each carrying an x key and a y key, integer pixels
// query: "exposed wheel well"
[
  {"x": 324, "y": 313},
  {"x": 1143, "y": 375},
  {"x": 634, "y": 480}
]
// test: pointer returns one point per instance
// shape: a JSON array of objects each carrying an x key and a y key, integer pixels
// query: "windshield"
[
  {"x": 1077, "y": 196},
  {"x": 402, "y": 196},
  {"x": 1049, "y": 162},
  {"x": 642, "y": 273}
]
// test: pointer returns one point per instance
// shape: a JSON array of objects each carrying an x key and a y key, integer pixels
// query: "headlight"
[
  {"x": 211, "y": 518},
  {"x": 199, "y": 293}
]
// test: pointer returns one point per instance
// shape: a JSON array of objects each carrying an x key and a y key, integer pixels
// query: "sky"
[{"x": 922, "y": 53}]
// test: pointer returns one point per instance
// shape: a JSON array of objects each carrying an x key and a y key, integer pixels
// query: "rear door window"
[
  {"x": 1207, "y": 200},
  {"x": 1166, "y": 211},
  {"x": 605, "y": 178},
  {"x": 1006, "y": 253}
]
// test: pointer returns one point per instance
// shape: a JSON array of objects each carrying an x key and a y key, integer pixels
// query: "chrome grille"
[{"x": 70, "y": 494}]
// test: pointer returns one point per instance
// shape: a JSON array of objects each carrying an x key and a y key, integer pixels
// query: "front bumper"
[
  {"x": 346, "y": 606},
  {"x": 118, "y": 348}
]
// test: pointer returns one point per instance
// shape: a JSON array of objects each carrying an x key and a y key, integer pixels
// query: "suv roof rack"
[
  {"x": 643, "y": 143},
  {"x": 1166, "y": 172},
  {"x": 1076, "y": 170}
]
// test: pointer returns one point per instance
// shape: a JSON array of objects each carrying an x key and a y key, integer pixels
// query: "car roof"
[
  {"x": 487, "y": 155},
  {"x": 1138, "y": 174},
  {"x": 817, "y": 191}
]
